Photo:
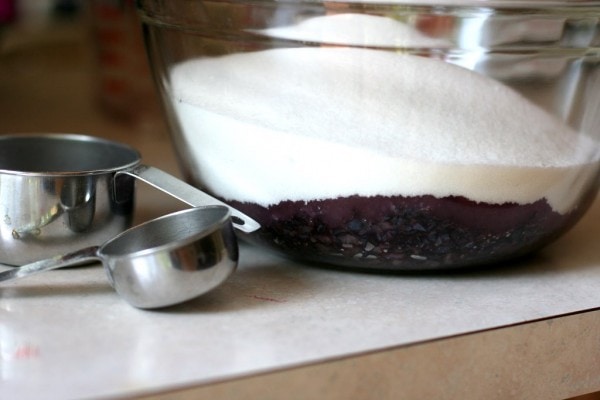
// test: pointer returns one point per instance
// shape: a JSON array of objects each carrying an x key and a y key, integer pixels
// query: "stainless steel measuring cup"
[
  {"x": 162, "y": 262},
  {"x": 62, "y": 192}
]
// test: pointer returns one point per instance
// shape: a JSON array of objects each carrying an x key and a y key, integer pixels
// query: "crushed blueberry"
[{"x": 406, "y": 233}]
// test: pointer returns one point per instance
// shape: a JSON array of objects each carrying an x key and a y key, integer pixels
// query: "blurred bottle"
[{"x": 125, "y": 87}]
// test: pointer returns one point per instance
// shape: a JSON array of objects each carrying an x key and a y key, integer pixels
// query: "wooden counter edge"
[{"x": 554, "y": 358}]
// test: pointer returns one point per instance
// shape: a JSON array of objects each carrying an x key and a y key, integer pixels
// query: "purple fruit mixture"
[{"x": 406, "y": 233}]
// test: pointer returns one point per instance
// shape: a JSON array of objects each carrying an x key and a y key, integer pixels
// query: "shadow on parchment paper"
[
  {"x": 77, "y": 286},
  {"x": 258, "y": 286}
]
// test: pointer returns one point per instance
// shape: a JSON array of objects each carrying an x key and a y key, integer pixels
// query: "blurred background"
[{"x": 63, "y": 62}]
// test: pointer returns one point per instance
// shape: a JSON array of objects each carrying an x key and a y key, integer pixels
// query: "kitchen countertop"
[{"x": 277, "y": 328}]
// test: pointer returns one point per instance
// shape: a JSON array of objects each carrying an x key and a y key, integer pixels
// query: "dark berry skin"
[{"x": 407, "y": 233}]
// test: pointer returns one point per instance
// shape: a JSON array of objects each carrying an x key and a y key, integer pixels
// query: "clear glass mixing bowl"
[{"x": 395, "y": 135}]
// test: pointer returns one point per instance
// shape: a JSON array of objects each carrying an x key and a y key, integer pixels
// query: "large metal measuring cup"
[{"x": 63, "y": 192}]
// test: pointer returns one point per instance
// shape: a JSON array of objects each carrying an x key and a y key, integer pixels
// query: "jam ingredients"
[{"x": 377, "y": 158}]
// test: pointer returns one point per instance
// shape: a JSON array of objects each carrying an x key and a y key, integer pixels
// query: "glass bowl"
[{"x": 389, "y": 135}]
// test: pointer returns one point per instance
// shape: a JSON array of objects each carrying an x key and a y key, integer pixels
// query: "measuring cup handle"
[
  {"x": 65, "y": 260},
  {"x": 188, "y": 194}
]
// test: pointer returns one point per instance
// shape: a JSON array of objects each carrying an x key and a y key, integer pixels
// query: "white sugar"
[{"x": 323, "y": 122}]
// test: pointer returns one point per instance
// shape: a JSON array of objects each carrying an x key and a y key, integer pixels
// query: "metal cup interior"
[
  {"x": 63, "y": 154},
  {"x": 173, "y": 258},
  {"x": 57, "y": 194}
]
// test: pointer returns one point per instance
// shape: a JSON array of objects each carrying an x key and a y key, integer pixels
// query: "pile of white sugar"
[{"x": 324, "y": 122}]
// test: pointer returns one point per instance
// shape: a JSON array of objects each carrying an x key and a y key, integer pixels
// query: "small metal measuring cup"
[
  {"x": 162, "y": 262},
  {"x": 63, "y": 192}
]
